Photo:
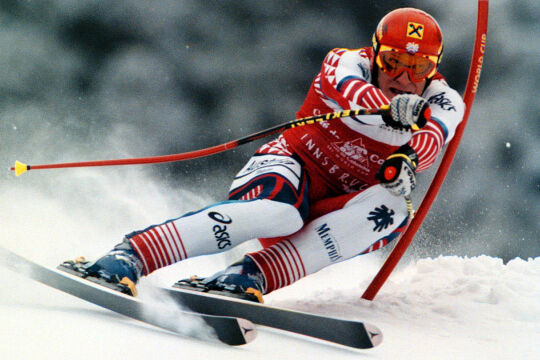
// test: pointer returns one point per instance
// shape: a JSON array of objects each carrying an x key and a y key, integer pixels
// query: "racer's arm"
[
  {"x": 397, "y": 173},
  {"x": 345, "y": 83},
  {"x": 345, "y": 80},
  {"x": 447, "y": 110}
]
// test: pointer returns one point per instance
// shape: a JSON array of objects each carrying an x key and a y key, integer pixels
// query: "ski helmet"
[{"x": 408, "y": 39}]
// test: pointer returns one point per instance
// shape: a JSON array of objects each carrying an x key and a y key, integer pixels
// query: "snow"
[
  {"x": 444, "y": 308},
  {"x": 447, "y": 307},
  {"x": 431, "y": 308}
]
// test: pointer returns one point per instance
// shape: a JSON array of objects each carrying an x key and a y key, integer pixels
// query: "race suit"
[{"x": 310, "y": 196}]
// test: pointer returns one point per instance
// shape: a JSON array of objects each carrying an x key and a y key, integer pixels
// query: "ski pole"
[{"x": 21, "y": 168}]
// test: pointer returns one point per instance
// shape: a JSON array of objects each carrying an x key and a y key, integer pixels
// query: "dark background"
[{"x": 87, "y": 80}]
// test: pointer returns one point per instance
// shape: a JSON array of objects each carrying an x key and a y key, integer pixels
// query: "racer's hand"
[
  {"x": 408, "y": 111},
  {"x": 398, "y": 172}
]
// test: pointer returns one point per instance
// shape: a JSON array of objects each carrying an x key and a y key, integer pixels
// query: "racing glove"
[
  {"x": 408, "y": 111},
  {"x": 398, "y": 172}
]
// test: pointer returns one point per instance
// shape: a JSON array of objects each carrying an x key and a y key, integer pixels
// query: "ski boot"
[
  {"x": 242, "y": 280},
  {"x": 119, "y": 269}
]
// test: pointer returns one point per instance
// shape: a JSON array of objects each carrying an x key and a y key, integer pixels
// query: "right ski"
[
  {"x": 356, "y": 334},
  {"x": 229, "y": 330}
]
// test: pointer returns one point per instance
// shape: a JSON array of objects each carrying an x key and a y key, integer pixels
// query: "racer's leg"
[
  {"x": 367, "y": 222},
  {"x": 268, "y": 198}
]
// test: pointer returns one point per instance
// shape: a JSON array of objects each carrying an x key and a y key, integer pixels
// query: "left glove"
[{"x": 398, "y": 172}]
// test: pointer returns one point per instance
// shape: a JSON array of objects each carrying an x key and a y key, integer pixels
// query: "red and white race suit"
[{"x": 311, "y": 196}]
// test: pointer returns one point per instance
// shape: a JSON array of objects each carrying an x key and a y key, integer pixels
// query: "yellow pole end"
[{"x": 20, "y": 168}]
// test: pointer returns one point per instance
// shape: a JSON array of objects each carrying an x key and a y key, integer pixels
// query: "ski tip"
[
  {"x": 374, "y": 333},
  {"x": 248, "y": 330}
]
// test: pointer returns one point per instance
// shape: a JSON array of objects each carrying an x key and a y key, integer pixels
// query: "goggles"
[{"x": 393, "y": 62}]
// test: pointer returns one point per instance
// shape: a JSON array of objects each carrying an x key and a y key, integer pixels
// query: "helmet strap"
[
  {"x": 374, "y": 66},
  {"x": 375, "y": 73},
  {"x": 428, "y": 82}
]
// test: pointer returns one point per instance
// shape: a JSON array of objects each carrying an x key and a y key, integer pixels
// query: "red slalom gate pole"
[{"x": 468, "y": 98}]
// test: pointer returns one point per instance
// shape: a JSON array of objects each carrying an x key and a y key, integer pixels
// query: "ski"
[
  {"x": 350, "y": 333},
  {"x": 229, "y": 330}
]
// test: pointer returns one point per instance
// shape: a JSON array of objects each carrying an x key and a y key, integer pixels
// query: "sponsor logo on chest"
[
  {"x": 353, "y": 153},
  {"x": 344, "y": 161},
  {"x": 348, "y": 182}
]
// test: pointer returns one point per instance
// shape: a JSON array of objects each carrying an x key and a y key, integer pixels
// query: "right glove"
[
  {"x": 397, "y": 174},
  {"x": 408, "y": 111}
]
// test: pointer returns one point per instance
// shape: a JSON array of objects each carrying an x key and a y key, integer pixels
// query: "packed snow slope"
[{"x": 447, "y": 307}]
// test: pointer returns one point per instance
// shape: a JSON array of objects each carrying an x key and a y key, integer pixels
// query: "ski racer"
[{"x": 323, "y": 193}]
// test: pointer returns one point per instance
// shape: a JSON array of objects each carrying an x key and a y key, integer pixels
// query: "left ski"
[{"x": 229, "y": 330}]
